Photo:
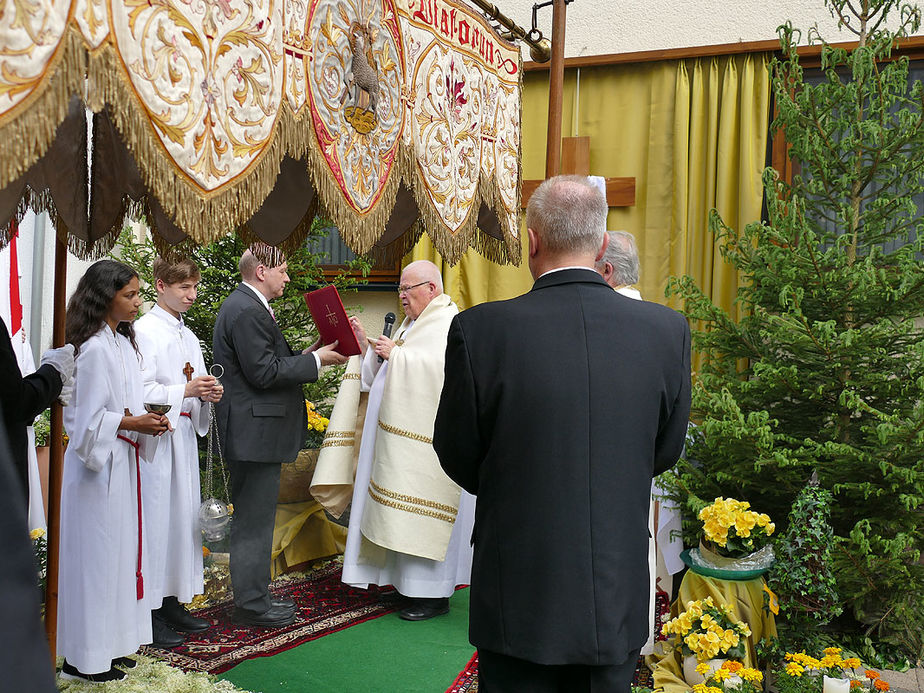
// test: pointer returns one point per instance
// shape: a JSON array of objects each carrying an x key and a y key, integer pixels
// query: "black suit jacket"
[
  {"x": 24, "y": 657},
  {"x": 23, "y": 399},
  {"x": 261, "y": 416},
  {"x": 557, "y": 408}
]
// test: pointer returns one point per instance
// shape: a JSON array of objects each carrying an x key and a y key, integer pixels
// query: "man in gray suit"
[{"x": 261, "y": 423}]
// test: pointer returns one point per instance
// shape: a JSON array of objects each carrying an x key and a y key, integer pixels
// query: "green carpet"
[{"x": 384, "y": 654}]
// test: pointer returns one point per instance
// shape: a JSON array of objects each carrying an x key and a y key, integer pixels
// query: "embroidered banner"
[{"x": 384, "y": 100}]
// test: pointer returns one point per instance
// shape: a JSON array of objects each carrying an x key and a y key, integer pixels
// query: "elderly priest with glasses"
[{"x": 410, "y": 525}]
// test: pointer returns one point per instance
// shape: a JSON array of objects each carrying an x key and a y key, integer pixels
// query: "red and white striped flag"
[{"x": 11, "y": 313}]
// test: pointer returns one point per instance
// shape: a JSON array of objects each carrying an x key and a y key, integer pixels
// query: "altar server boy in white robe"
[
  {"x": 103, "y": 612},
  {"x": 174, "y": 373}
]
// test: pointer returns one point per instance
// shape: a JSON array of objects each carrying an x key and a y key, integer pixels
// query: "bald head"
[
  {"x": 424, "y": 270},
  {"x": 420, "y": 283},
  {"x": 566, "y": 220}
]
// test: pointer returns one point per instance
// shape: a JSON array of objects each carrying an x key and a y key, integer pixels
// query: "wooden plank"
[
  {"x": 912, "y": 47},
  {"x": 556, "y": 89},
  {"x": 620, "y": 192},
  {"x": 575, "y": 155}
]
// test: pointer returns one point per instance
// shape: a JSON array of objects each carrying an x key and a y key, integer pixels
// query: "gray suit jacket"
[{"x": 261, "y": 417}]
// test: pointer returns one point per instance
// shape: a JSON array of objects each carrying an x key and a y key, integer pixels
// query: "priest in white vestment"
[
  {"x": 174, "y": 373},
  {"x": 410, "y": 525}
]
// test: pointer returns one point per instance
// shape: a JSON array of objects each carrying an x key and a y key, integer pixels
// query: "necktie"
[{"x": 272, "y": 314}]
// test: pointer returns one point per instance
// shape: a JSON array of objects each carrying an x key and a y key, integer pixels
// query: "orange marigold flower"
[
  {"x": 870, "y": 674},
  {"x": 855, "y": 683},
  {"x": 205, "y": 552},
  {"x": 881, "y": 685},
  {"x": 733, "y": 666}
]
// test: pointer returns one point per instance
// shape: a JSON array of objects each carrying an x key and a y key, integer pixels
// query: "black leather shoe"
[
  {"x": 282, "y": 603},
  {"x": 178, "y": 618},
  {"x": 124, "y": 663},
  {"x": 422, "y": 609},
  {"x": 164, "y": 636},
  {"x": 271, "y": 618},
  {"x": 72, "y": 673}
]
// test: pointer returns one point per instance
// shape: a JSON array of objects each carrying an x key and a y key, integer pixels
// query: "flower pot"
[
  {"x": 836, "y": 685},
  {"x": 295, "y": 478},
  {"x": 691, "y": 676},
  {"x": 758, "y": 561}
]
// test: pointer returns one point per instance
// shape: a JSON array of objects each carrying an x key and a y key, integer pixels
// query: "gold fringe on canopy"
[
  {"x": 104, "y": 77},
  {"x": 29, "y": 128}
]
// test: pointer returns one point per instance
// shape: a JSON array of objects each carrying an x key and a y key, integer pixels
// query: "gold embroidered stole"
[
  {"x": 412, "y": 504},
  {"x": 332, "y": 483}
]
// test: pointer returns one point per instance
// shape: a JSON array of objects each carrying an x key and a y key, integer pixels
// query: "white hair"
[{"x": 622, "y": 254}]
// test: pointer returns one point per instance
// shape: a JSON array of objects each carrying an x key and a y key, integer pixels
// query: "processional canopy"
[{"x": 209, "y": 116}]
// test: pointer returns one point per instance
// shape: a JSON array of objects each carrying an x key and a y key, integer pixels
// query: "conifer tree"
[{"x": 826, "y": 368}]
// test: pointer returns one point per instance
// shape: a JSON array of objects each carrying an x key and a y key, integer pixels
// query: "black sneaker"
[{"x": 72, "y": 673}]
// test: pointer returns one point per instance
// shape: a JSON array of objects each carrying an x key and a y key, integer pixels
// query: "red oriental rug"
[
  {"x": 323, "y": 605},
  {"x": 467, "y": 680}
]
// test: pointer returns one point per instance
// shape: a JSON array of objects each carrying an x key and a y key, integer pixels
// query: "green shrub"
[{"x": 825, "y": 370}]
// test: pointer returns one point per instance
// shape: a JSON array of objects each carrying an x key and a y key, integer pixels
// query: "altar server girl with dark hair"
[{"x": 103, "y": 615}]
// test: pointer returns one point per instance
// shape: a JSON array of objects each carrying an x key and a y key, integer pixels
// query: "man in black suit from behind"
[
  {"x": 24, "y": 658},
  {"x": 261, "y": 423},
  {"x": 557, "y": 408}
]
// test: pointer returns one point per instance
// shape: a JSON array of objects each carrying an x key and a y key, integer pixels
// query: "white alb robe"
[
  {"x": 170, "y": 486},
  {"x": 99, "y": 614},
  {"x": 365, "y": 563}
]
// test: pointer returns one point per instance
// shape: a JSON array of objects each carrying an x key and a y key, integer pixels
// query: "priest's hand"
[
  {"x": 152, "y": 424},
  {"x": 383, "y": 347},
  {"x": 359, "y": 331},
  {"x": 329, "y": 354}
]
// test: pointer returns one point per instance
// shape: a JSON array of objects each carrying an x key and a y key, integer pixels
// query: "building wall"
[{"x": 600, "y": 27}]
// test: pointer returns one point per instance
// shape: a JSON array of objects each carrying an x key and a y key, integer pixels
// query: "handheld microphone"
[{"x": 386, "y": 331}]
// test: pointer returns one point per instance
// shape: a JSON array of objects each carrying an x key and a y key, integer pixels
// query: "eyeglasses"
[{"x": 405, "y": 289}]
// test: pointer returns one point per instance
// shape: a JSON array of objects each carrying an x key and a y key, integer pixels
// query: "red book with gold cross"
[{"x": 330, "y": 317}]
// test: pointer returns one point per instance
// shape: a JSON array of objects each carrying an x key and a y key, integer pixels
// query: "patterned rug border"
[
  {"x": 467, "y": 680},
  {"x": 387, "y": 601}
]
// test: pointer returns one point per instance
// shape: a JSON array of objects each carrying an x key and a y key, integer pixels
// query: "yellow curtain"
[{"x": 693, "y": 133}]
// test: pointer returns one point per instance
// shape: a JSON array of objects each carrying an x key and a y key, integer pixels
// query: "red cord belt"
[{"x": 139, "y": 579}]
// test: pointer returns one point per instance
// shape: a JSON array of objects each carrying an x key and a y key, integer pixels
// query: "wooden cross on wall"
[{"x": 575, "y": 159}]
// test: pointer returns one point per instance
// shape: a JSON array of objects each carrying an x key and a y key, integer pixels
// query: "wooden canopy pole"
[
  {"x": 556, "y": 86},
  {"x": 56, "y": 460}
]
